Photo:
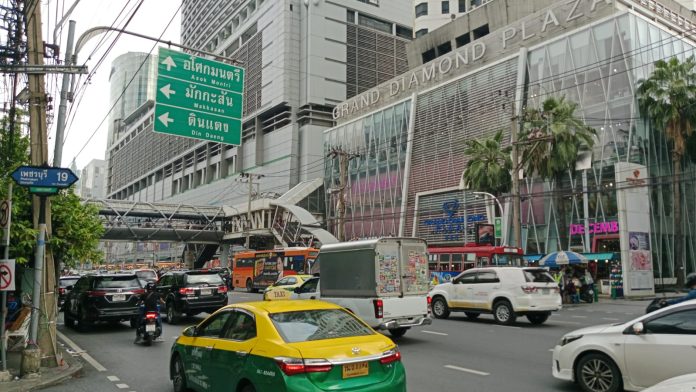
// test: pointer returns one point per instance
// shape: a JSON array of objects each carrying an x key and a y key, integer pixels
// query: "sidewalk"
[{"x": 46, "y": 377}]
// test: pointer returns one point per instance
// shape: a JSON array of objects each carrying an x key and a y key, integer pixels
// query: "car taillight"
[
  {"x": 61, "y": 291},
  {"x": 390, "y": 356},
  {"x": 292, "y": 366},
  {"x": 186, "y": 291},
  {"x": 151, "y": 315},
  {"x": 529, "y": 289},
  {"x": 96, "y": 293},
  {"x": 139, "y": 291},
  {"x": 222, "y": 289},
  {"x": 379, "y": 308}
]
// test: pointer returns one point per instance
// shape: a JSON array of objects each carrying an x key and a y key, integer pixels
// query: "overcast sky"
[{"x": 90, "y": 110}]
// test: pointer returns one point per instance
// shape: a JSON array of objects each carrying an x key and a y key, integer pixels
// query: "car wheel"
[
  {"x": 179, "y": 376},
  {"x": 172, "y": 314},
  {"x": 537, "y": 319},
  {"x": 248, "y": 388},
  {"x": 249, "y": 287},
  {"x": 83, "y": 324},
  {"x": 598, "y": 373},
  {"x": 398, "y": 332},
  {"x": 134, "y": 322},
  {"x": 68, "y": 320},
  {"x": 503, "y": 313},
  {"x": 472, "y": 315},
  {"x": 440, "y": 308}
]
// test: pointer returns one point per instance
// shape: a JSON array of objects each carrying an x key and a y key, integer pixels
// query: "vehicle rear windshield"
[
  {"x": 537, "y": 275},
  {"x": 116, "y": 282},
  {"x": 212, "y": 279},
  {"x": 68, "y": 282},
  {"x": 308, "y": 325},
  {"x": 147, "y": 275}
]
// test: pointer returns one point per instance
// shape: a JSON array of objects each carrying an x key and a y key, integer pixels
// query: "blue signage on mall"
[{"x": 452, "y": 226}]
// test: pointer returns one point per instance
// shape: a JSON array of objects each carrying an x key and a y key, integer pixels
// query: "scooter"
[
  {"x": 656, "y": 304},
  {"x": 587, "y": 293},
  {"x": 149, "y": 329}
]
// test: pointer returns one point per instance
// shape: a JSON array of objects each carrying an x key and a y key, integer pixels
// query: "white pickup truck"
[{"x": 383, "y": 281}]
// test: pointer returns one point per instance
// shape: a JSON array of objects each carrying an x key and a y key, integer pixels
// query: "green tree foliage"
[
  {"x": 76, "y": 227},
  {"x": 667, "y": 99},
  {"x": 489, "y": 165}
]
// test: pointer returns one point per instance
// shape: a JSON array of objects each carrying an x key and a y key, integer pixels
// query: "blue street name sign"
[{"x": 44, "y": 177}]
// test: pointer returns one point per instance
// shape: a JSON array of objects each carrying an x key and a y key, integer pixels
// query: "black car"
[
  {"x": 191, "y": 292},
  {"x": 112, "y": 298},
  {"x": 63, "y": 283}
]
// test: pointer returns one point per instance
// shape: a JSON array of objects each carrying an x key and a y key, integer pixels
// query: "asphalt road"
[{"x": 450, "y": 355}]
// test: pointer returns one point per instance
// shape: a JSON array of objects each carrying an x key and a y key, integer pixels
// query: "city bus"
[
  {"x": 445, "y": 263},
  {"x": 258, "y": 269}
]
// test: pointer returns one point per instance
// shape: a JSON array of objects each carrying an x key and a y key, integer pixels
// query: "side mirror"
[
  {"x": 190, "y": 331},
  {"x": 638, "y": 328}
]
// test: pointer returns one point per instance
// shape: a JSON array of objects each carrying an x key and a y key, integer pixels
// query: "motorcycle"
[
  {"x": 587, "y": 293},
  {"x": 149, "y": 329},
  {"x": 656, "y": 304}
]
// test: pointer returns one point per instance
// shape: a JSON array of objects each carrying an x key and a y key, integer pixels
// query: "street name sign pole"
[
  {"x": 42, "y": 181},
  {"x": 198, "y": 98}
]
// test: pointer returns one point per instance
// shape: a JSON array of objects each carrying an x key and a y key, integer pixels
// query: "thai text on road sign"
[{"x": 39, "y": 176}]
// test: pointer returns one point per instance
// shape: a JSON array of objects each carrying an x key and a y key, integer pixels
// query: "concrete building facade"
[
  {"x": 429, "y": 15},
  {"x": 93, "y": 180}
]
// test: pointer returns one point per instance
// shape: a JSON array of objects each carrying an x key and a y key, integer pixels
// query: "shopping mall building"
[{"x": 405, "y": 139}]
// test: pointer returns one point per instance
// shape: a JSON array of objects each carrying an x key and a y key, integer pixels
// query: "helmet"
[
  {"x": 150, "y": 286},
  {"x": 690, "y": 280}
]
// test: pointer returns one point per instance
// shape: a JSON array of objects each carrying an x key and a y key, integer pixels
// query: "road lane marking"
[
  {"x": 566, "y": 322},
  {"x": 435, "y": 333},
  {"x": 472, "y": 371},
  {"x": 122, "y": 386},
  {"x": 551, "y": 349},
  {"x": 82, "y": 352},
  {"x": 113, "y": 378},
  {"x": 610, "y": 319},
  {"x": 578, "y": 316}
]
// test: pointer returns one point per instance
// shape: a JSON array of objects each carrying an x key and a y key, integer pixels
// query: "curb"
[{"x": 47, "y": 377}]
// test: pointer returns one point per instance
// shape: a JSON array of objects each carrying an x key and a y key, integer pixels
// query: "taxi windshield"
[{"x": 308, "y": 325}]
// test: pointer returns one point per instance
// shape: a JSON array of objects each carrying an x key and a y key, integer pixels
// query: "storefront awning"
[
  {"x": 532, "y": 257},
  {"x": 600, "y": 256}
]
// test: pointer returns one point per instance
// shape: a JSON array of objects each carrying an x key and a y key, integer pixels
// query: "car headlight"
[{"x": 568, "y": 339}]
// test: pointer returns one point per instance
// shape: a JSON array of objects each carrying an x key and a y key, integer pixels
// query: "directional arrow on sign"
[
  {"x": 165, "y": 119},
  {"x": 169, "y": 62},
  {"x": 167, "y": 90}
]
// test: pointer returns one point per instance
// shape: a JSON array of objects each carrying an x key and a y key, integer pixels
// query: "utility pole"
[
  {"x": 343, "y": 159},
  {"x": 43, "y": 329},
  {"x": 250, "y": 177},
  {"x": 516, "y": 224},
  {"x": 62, "y": 107}
]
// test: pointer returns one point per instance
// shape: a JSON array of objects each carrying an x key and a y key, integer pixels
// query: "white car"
[
  {"x": 507, "y": 292},
  {"x": 632, "y": 355},
  {"x": 683, "y": 383}
]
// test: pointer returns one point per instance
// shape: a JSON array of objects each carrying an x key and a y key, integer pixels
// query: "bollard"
[{"x": 31, "y": 361}]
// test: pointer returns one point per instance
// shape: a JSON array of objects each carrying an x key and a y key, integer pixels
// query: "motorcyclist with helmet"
[
  {"x": 690, "y": 284},
  {"x": 148, "y": 302}
]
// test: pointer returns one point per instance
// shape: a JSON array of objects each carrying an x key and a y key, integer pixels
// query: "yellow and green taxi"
[
  {"x": 284, "y": 287},
  {"x": 285, "y": 346}
]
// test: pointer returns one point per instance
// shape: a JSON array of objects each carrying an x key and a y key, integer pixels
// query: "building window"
[
  {"x": 445, "y": 7},
  {"x": 371, "y": 2},
  {"x": 429, "y": 55},
  {"x": 421, "y": 32},
  {"x": 463, "y": 40},
  {"x": 374, "y": 23},
  {"x": 444, "y": 48},
  {"x": 462, "y": 5},
  {"x": 421, "y": 10},
  {"x": 404, "y": 32},
  {"x": 351, "y": 16},
  {"x": 481, "y": 31}
]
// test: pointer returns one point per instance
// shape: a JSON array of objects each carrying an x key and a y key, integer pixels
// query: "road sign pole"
[
  {"x": 3, "y": 297},
  {"x": 38, "y": 273}
]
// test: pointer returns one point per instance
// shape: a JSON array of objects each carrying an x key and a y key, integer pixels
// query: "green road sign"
[
  {"x": 198, "y": 98},
  {"x": 498, "y": 227},
  {"x": 43, "y": 190}
]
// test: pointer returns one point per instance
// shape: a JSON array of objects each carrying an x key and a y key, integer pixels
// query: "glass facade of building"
[{"x": 598, "y": 66}]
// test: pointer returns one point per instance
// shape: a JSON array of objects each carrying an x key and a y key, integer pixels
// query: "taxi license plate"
[
  {"x": 150, "y": 328},
  {"x": 118, "y": 297},
  {"x": 356, "y": 369},
  {"x": 206, "y": 291},
  {"x": 545, "y": 291}
]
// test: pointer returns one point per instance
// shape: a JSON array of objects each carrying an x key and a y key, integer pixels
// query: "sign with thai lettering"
[
  {"x": 44, "y": 177},
  {"x": 198, "y": 98}
]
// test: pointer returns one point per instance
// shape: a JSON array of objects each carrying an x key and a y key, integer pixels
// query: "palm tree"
[
  {"x": 550, "y": 142},
  {"x": 666, "y": 99},
  {"x": 489, "y": 165}
]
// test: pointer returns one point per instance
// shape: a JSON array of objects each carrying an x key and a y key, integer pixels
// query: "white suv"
[{"x": 506, "y": 292}]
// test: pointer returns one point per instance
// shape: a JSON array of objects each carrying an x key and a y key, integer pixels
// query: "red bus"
[
  {"x": 446, "y": 262},
  {"x": 258, "y": 269}
]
